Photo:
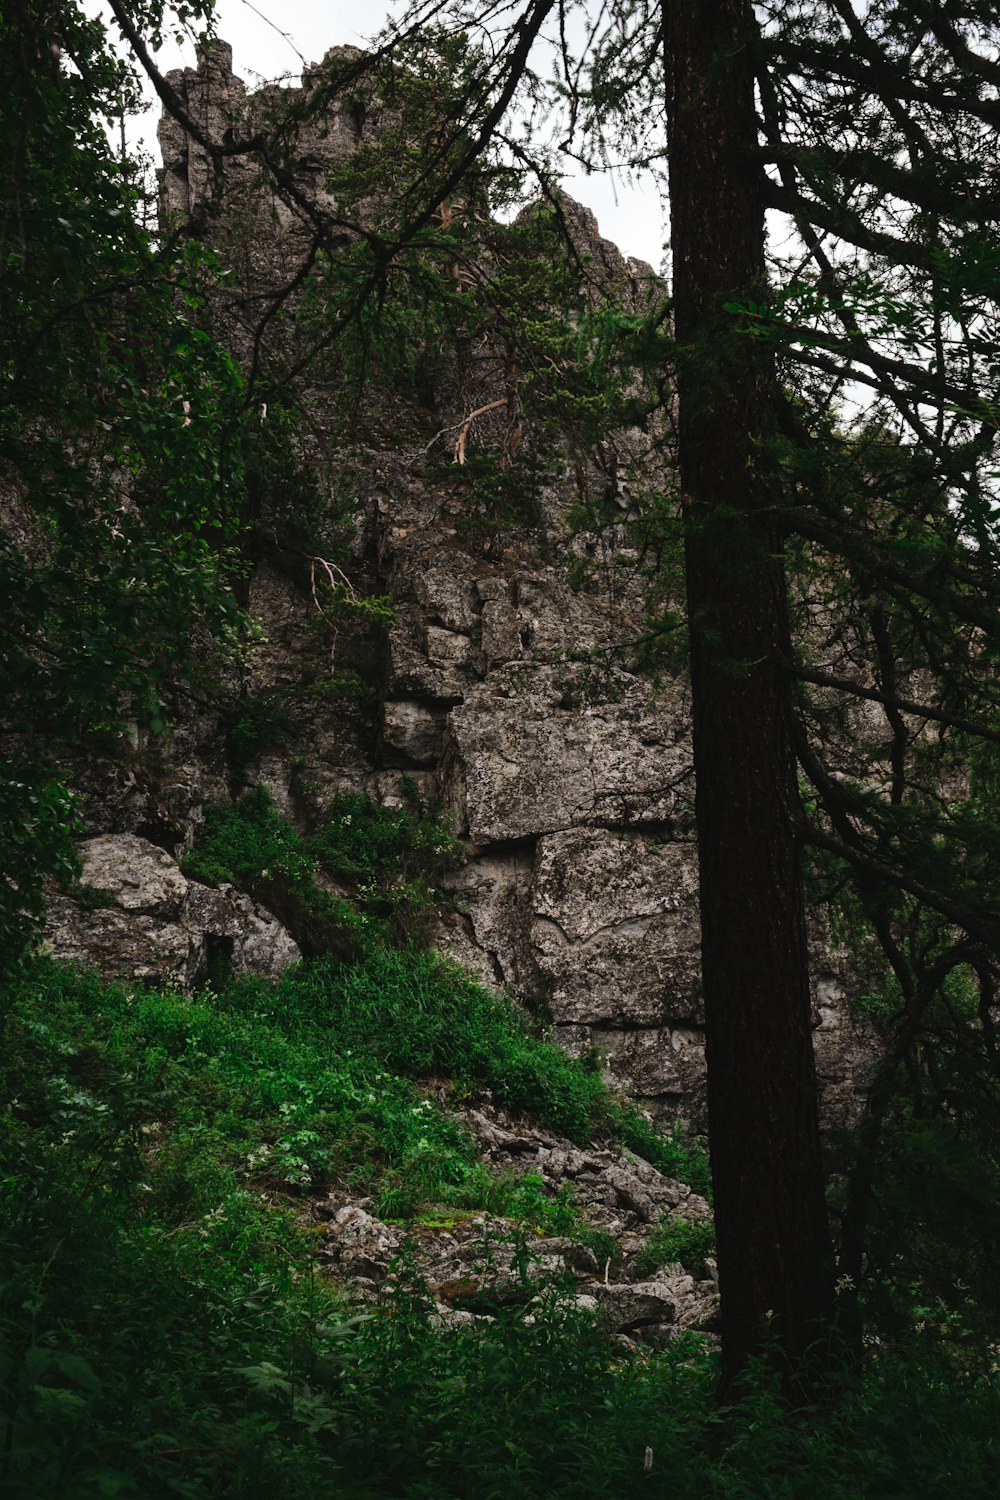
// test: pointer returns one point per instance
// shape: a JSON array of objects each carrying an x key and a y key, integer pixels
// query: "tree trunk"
[{"x": 775, "y": 1258}]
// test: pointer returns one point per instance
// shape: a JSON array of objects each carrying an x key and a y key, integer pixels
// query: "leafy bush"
[
  {"x": 244, "y": 843},
  {"x": 143, "y": 1277},
  {"x": 672, "y": 1152},
  {"x": 252, "y": 846},
  {"x": 676, "y": 1240},
  {"x": 536, "y": 1410},
  {"x": 37, "y": 820},
  {"x": 395, "y": 859}
]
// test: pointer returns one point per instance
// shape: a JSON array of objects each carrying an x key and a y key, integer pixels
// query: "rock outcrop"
[
  {"x": 507, "y": 689},
  {"x": 473, "y": 1265},
  {"x": 136, "y": 916}
]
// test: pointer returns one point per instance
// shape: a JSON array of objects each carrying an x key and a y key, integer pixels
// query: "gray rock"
[
  {"x": 615, "y": 929},
  {"x": 665, "y": 1066},
  {"x": 447, "y": 593},
  {"x": 562, "y": 1250},
  {"x": 260, "y": 945},
  {"x": 501, "y": 637},
  {"x": 360, "y": 1244},
  {"x": 625, "y": 1306},
  {"x": 631, "y": 1193},
  {"x": 124, "y": 945},
  {"x": 412, "y": 731},
  {"x": 530, "y": 767},
  {"x": 135, "y": 874},
  {"x": 156, "y": 925},
  {"x": 494, "y": 890}
]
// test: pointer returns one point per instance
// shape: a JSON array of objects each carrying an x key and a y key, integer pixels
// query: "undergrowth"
[
  {"x": 412, "y": 1009},
  {"x": 165, "y": 1330}
]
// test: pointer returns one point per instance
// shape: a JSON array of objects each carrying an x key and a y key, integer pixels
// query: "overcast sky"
[{"x": 269, "y": 38}]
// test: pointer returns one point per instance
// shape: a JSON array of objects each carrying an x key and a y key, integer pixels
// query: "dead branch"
[{"x": 466, "y": 425}]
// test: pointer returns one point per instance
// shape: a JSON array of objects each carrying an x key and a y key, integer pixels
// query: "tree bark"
[{"x": 775, "y": 1257}]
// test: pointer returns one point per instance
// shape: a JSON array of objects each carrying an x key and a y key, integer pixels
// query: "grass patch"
[
  {"x": 676, "y": 1241},
  {"x": 422, "y": 1014},
  {"x": 164, "y": 1330}
]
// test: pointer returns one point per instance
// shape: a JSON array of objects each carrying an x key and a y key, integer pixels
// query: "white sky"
[{"x": 257, "y": 32}]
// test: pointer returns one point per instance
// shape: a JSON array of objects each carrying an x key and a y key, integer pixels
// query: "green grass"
[
  {"x": 676, "y": 1241},
  {"x": 164, "y": 1329},
  {"x": 288, "y": 1086}
]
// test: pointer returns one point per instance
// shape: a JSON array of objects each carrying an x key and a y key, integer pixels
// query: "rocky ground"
[
  {"x": 474, "y": 1265},
  {"x": 145, "y": 920}
]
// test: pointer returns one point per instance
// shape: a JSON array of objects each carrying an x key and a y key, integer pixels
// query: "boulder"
[
  {"x": 137, "y": 916},
  {"x": 411, "y": 733},
  {"x": 625, "y": 1306},
  {"x": 529, "y": 767}
]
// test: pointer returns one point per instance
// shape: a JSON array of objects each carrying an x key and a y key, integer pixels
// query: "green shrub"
[
  {"x": 394, "y": 858},
  {"x": 252, "y": 846},
  {"x": 243, "y": 843},
  {"x": 676, "y": 1241},
  {"x": 672, "y": 1152},
  {"x": 142, "y": 1274}
]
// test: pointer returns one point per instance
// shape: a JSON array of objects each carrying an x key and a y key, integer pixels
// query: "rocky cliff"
[{"x": 507, "y": 687}]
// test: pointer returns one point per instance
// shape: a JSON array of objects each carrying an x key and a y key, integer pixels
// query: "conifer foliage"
[{"x": 120, "y": 452}]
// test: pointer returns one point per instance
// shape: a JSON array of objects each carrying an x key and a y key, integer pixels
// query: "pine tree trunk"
[{"x": 775, "y": 1260}]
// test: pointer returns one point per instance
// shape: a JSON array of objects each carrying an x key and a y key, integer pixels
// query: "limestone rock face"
[
  {"x": 531, "y": 766},
  {"x": 507, "y": 689},
  {"x": 615, "y": 927},
  {"x": 142, "y": 919}
]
